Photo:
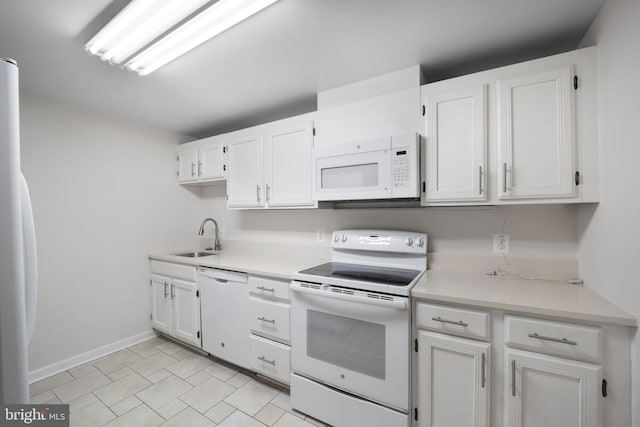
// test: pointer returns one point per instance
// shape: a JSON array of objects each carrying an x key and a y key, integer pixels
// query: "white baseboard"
[{"x": 80, "y": 359}]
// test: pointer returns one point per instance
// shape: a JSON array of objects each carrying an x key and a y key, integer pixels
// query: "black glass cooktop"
[{"x": 364, "y": 273}]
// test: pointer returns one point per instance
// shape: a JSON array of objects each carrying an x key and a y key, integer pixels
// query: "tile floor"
[{"x": 161, "y": 383}]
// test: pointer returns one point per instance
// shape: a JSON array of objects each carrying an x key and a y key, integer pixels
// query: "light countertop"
[{"x": 543, "y": 297}]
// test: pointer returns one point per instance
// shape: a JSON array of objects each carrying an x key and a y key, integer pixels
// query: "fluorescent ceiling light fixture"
[{"x": 145, "y": 35}]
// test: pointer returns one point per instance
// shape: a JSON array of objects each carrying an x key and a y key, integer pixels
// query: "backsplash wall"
[{"x": 536, "y": 231}]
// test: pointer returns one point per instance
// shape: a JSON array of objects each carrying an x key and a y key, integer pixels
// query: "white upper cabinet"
[
  {"x": 202, "y": 161},
  {"x": 245, "y": 159},
  {"x": 269, "y": 166},
  {"x": 536, "y": 147},
  {"x": 455, "y": 157},
  {"x": 288, "y": 165}
]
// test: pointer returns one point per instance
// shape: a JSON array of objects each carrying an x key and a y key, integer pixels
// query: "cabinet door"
[
  {"x": 288, "y": 165},
  {"x": 186, "y": 311},
  {"x": 453, "y": 381},
  {"x": 161, "y": 303},
  {"x": 245, "y": 172},
  {"x": 548, "y": 391},
  {"x": 536, "y": 139},
  {"x": 211, "y": 161},
  {"x": 188, "y": 164},
  {"x": 456, "y": 146}
]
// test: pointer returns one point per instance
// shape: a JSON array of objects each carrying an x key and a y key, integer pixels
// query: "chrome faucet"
[{"x": 216, "y": 242}]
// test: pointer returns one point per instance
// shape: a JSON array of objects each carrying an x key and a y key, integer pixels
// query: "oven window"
[
  {"x": 352, "y": 176},
  {"x": 349, "y": 343}
]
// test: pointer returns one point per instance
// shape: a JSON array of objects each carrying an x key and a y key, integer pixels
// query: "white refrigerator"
[{"x": 18, "y": 264}]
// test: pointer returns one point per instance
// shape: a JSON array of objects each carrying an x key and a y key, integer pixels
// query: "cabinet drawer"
[
  {"x": 454, "y": 321},
  {"x": 270, "y": 319},
  {"x": 178, "y": 271},
  {"x": 557, "y": 338},
  {"x": 270, "y": 358},
  {"x": 269, "y": 288}
]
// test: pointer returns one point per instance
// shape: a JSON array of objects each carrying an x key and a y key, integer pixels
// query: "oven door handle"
[{"x": 325, "y": 293}]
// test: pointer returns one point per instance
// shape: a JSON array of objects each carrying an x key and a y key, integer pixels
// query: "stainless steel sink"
[{"x": 196, "y": 254}]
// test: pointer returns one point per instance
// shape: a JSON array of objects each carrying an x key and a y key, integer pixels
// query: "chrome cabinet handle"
[
  {"x": 504, "y": 177},
  {"x": 453, "y": 322},
  {"x": 193, "y": 169},
  {"x": 480, "y": 179},
  {"x": 560, "y": 340},
  {"x": 513, "y": 378},
  {"x": 199, "y": 168},
  {"x": 258, "y": 193},
  {"x": 173, "y": 295},
  {"x": 165, "y": 289},
  {"x": 483, "y": 369},
  {"x": 262, "y": 288},
  {"x": 268, "y": 193},
  {"x": 273, "y": 321},
  {"x": 270, "y": 362}
]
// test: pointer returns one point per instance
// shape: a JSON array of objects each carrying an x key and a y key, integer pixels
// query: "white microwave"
[{"x": 381, "y": 168}]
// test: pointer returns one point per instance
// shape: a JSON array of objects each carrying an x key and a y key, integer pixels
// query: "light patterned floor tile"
[
  {"x": 81, "y": 386},
  {"x": 290, "y": 420},
  {"x": 252, "y": 397},
  {"x": 121, "y": 373},
  {"x": 146, "y": 348},
  {"x": 207, "y": 394},
  {"x": 269, "y": 414},
  {"x": 94, "y": 414},
  {"x": 220, "y": 412},
  {"x": 164, "y": 392},
  {"x": 187, "y": 367},
  {"x": 121, "y": 389},
  {"x": 191, "y": 418},
  {"x": 198, "y": 378},
  {"x": 148, "y": 366},
  {"x": 44, "y": 398},
  {"x": 315, "y": 422},
  {"x": 81, "y": 371},
  {"x": 117, "y": 360},
  {"x": 240, "y": 419},
  {"x": 126, "y": 405},
  {"x": 283, "y": 400},
  {"x": 49, "y": 383},
  {"x": 140, "y": 416},
  {"x": 82, "y": 401},
  {"x": 158, "y": 376},
  {"x": 238, "y": 380},
  {"x": 172, "y": 409},
  {"x": 169, "y": 347},
  {"x": 220, "y": 371}
]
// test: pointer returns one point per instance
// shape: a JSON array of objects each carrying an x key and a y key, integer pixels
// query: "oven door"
[
  {"x": 353, "y": 171},
  {"x": 352, "y": 341}
]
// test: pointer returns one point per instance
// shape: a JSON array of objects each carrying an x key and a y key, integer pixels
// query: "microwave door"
[{"x": 357, "y": 176}]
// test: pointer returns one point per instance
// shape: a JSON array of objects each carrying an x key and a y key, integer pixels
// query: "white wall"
[
  {"x": 535, "y": 231},
  {"x": 104, "y": 194},
  {"x": 609, "y": 235}
]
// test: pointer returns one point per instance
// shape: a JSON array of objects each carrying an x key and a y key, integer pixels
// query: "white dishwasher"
[{"x": 224, "y": 305}]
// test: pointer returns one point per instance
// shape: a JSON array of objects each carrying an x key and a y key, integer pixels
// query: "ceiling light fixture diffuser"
[{"x": 126, "y": 39}]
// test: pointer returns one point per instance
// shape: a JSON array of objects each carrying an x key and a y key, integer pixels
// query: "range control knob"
[
  {"x": 336, "y": 238},
  {"x": 409, "y": 241},
  {"x": 344, "y": 238},
  {"x": 420, "y": 242}
]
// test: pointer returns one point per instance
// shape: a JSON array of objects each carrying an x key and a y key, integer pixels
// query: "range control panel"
[{"x": 380, "y": 240}]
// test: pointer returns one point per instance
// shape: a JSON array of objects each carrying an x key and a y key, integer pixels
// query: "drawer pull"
[
  {"x": 453, "y": 322},
  {"x": 513, "y": 378},
  {"x": 270, "y": 362},
  {"x": 561, "y": 340},
  {"x": 483, "y": 370},
  {"x": 267, "y": 320},
  {"x": 262, "y": 288}
]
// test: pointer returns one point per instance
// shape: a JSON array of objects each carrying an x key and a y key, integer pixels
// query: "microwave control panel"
[
  {"x": 401, "y": 168},
  {"x": 405, "y": 155}
]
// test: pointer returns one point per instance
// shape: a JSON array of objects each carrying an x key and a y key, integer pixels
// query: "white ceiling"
[{"x": 272, "y": 65}]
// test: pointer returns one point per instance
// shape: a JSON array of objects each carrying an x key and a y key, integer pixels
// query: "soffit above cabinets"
[{"x": 274, "y": 64}]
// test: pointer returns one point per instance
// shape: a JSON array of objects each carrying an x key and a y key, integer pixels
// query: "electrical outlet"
[
  {"x": 319, "y": 235},
  {"x": 501, "y": 244}
]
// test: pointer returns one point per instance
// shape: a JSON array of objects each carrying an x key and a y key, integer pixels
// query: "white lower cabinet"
[
  {"x": 453, "y": 376},
  {"x": 175, "y": 302},
  {"x": 548, "y": 391},
  {"x": 269, "y": 320}
]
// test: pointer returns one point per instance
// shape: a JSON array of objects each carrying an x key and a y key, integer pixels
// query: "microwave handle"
[{"x": 400, "y": 305}]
